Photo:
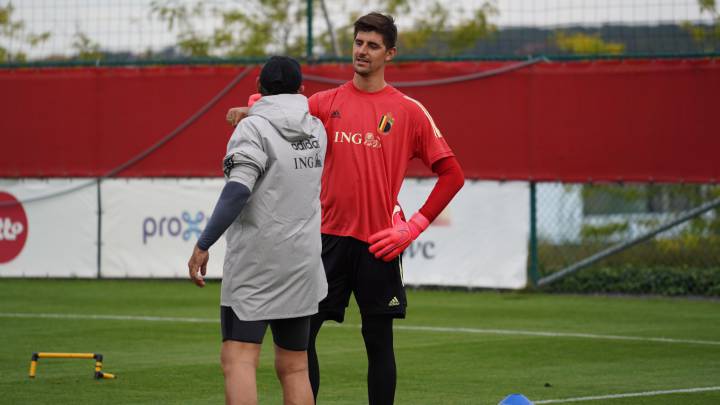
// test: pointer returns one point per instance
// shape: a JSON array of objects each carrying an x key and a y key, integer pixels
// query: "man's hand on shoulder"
[{"x": 237, "y": 114}]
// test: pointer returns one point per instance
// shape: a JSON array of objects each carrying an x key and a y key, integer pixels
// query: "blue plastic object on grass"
[{"x": 515, "y": 399}]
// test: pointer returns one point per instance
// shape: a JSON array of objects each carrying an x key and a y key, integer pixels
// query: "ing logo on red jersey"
[{"x": 386, "y": 123}]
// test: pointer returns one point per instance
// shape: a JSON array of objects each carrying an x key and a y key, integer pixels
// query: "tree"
[
  {"x": 13, "y": 31},
  {"x": 442, "y": 31},
  {"x": 706, "y": 33},
  {"x": 257, "y": 28},
  {"x": 86, "y": 48},
  {"x": 586, "y": 44},
  {"x": 433, "y": 30},
  {"x": 332, "y": 37},
  {"x": 262, "y": 27}
]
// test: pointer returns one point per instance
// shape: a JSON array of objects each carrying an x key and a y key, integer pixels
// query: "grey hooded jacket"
[{"x": 273, "y": 268}]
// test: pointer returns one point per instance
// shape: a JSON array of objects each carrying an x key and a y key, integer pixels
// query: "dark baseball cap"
[{"x": 280, "y": 75}]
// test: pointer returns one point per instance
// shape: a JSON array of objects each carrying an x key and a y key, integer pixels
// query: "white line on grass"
[
  {"x": 555, "y": 334},
  {"x": 628, "y": 395},
  {"x": 510, "y": 332},
  {"x": 108, "y": 317}
]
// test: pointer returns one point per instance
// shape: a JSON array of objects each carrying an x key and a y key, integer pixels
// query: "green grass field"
[{"x": 454, "y": 348}]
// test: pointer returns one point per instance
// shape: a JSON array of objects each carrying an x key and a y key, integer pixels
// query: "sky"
[{"x": 127, "y": 24}]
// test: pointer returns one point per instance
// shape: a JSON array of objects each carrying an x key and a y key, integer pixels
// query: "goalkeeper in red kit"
[{"x": 373, "y": 132}]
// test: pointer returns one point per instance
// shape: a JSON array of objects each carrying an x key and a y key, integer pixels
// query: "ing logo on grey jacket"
[{"x": 308, "y": 162}]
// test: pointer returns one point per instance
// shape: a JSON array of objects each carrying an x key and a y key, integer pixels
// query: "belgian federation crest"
[{"x": 386, "y": 123}]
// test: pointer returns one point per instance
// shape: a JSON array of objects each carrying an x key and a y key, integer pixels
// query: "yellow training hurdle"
[{"x": 96, "y": 356}]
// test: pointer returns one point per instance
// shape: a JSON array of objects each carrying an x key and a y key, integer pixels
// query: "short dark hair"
[{"x": 380, "y": 23}]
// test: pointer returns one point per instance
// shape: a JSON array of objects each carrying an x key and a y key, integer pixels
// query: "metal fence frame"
[{"x": 533, "y": 262}]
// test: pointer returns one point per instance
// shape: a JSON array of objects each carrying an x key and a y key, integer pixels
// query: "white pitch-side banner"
[
  {"x": 479, "y": 240},
  {"x": 52, "y": 237},
  {"x": 149, "y": 226}
]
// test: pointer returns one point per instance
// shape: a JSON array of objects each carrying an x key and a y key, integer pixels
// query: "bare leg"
[
  {"x": 292, "y": 371},
  {"x": 239, "y": 362}
]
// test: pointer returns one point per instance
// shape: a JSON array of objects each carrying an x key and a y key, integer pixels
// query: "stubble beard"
[{"x": 363, "y": 73}]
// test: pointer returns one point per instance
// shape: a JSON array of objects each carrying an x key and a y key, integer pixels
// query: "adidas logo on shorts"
[{"x": 394, "y": 302}]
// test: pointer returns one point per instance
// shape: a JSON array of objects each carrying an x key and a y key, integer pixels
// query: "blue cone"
[{"x": 515, "y": 399}]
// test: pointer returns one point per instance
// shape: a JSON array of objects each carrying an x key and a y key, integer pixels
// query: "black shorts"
[
  {"x": 289, "y": 334},
  {"x": 351, "y": 268}
]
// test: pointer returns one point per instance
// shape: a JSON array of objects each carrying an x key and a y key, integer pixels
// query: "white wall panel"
[
  {"x": 480, "y": 240},
  {"x": 150, "y": 226},
  {"x": 60, "y": 233}
]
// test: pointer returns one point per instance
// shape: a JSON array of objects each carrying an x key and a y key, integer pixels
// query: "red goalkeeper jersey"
[{"x": 371, "y": 139}]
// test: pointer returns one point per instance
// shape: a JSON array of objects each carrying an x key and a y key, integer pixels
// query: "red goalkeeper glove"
[{"x": 390, "y": 242}]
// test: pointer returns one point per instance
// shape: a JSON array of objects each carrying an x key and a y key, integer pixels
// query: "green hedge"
[
  {"x": 688, "y": 251},
  {"x": 659, "y": 280}
]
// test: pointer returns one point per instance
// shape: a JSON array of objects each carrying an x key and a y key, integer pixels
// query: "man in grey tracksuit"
[{"x": 270, "y": 206}]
